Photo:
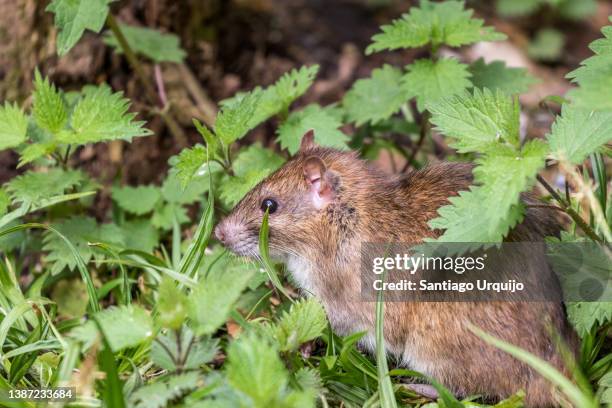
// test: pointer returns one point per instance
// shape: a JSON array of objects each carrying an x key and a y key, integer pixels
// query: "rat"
[{"x": 324, "y": 203}]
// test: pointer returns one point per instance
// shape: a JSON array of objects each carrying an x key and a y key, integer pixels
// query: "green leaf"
[
  {"x": 165, "y": 392},
  {"x": 211, "y": 301},
  {"x": 173, "y": 192},
  {"x": 577, "y": 10},
  {"x": 73, "y": 17},
  {"x": 305, "y": 321},
  {"x": 578, "y": 132},
  {"x": 254, "y": 368},
  {"x": 236, "y": 119},
  {"x": 586, "y": 315},
  {"x": 35, "y": 151},
  {"x": 136, "y": 200},
  {"x": 547, "y": 45},
  {"x": 70, "y": 295},
  {"x": 429, "y": 81},
  {"x": 149, "y": 42},
  {"x": 190, "y": 354},
  {"x": 376, "y": 98},
  {"x": 140, "y": 235},
  {"x": 171, "y": 305},
  {"x": 13, "y": 126},
  {"x": 477, "y": 121},
  {"x": 469, "y": 218},
  {"x": 517, "y": 8},
  {"x": 497, "y": 75},
  {"x": 48, "y": 107},
  {"x": 4, "y": 201},
  {"x": 436, "y": 23},
  {"x": 322, "y": 121},
  {"x": 190, "y": 162},
  {"x": 100, "y": 116},
  {"x": 33, "y": 187},
  {"x": 165, "y": 215},
  {"x": 123, "y": 326}
]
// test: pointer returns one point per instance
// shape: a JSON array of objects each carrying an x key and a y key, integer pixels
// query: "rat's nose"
[{"x": 220, "y": 233}]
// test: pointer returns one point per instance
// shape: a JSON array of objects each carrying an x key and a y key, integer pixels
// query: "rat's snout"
[
  {"x": 220, "y": 232},
  {"x": 236, "y": 237}
]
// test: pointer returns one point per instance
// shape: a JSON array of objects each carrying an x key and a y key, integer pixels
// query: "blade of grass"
[
  {"x": 578, "y": 397},
  {"x": 385, "y": 388},
  {"x": 113, "y": 390},
  {"x": 265, "y": 257}
]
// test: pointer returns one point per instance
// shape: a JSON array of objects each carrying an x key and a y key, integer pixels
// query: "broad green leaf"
[
  {"x": 585, "y": 315},
  {"x": 469, "y": 218},
  {"x": 477, "y": 121},
  {"x": 254, "y": 368},
  {"x": 376, "y": 98},
  {"x": 140, "y": 235},
  {"x": 4, "y": 201},
  {"x": 278, "y": 97},
  {"x": 577, "y": 10},
  {"x": 321, "y": 120},
  {"x": 497, "y": 75},
  {"x": 35, "y": 151},
  {"x": 192, "y": 351},
  {"x": 429, "y": 81},
  {"x": 32, "y": 187},
  {"x": 304, "y": 321},
  {"x": 70, "y": 295},
  {"x": 173, "y": 192},
  {"x": 171, "y": 305},
  {"x": 123, "y": 326},
  {"x": 165, "y": 391},
  {"x": 165, "y": 214},
  {"x": 149, "y": 42},
  {"x": 517, "y": 8},
  {"x": 190, "y": 163},
  {"x": 100, "y": 116},
  {"x": 235, "y": 120},
  {"x": 73, "y": 17},
  {"x": 210, "y": 303},
  {"x": 136, "y": 200},
  {"x": 13, "y": 126},
  {"x": 436, "y": 23},
  {"x": 547, "y": 45},
  {"x": 48, "y": 107},
  {"x": 578, "y": 132}
]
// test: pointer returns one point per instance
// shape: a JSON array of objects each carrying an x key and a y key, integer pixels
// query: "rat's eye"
[{"x": 269, "y": 204}]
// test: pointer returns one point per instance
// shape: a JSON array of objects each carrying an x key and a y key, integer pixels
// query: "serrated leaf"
[
  {"x": 102, "y": 115},
  {"x": 376, "y": 98},
  {"x": 429, "y": 81},
  {"x": 585, "y": 315},
  {"x": 136, "y": 200},
  {"x": 254, "y": 368},
  {"x": 165, "y": 391},
  {"x": 192, "y": 351},
  {"x": 211, "y": 301},
  {"x": 48, "y": 107},
  {"x": 496, "y": 75},
  {"x": 140, "y": 235},
  {"x": 165, "y": 214},
  {"x": 32, "y": 187},
  {"x": 469, "y": 218},
  {"x": 477, "y": 121},
  {"x": 278, "y": 97},
  {"x": 189, "y": 163},
  {"x": 35, "y": 151},
  {"x": 325, "y": 125},
  {"x": 149, "y": 42},
  {"x": 235, "y": 120},
  {"x": 123, "y": 326},
  {"x": 173, "y": 192},
  {"x": 578, "y": 132},
  {"x": 436, "y": 23},
  {"x": 73, "y": 17},
  {"x": 13, "y": 126},
  {"x": 305, "y": 321}
]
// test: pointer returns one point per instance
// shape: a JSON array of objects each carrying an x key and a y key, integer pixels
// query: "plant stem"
[
  {"x": 425, "y": 130},
  {"x": 566, "y": 206}
]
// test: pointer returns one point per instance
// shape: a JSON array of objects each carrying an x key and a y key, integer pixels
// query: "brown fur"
[{"x": 322, "y": 250}]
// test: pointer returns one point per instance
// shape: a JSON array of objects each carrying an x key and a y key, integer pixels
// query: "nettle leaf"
[
  {"x": 304, "y": 321},
  {"x": 497, "y": 75},
  {"x": 324, "y": 123},
  {"x": 429, "y": 81},
  {"x": 123, "y": 326},
  {"x": 73, "y": 17},
  {"x": 173, "y": 192},
  {"x": 171, "y": 304},
  {"x": 32, "y": 187},
  {"x": 165, "y": 214},
  {"x": 595, "y": 76},
  {"x": 376, "y": 98},
  {"x": 585, "y": 315},
  {"x": 165, "y": 391},
  {"x": 102, "y": 115},
  {"x": 49, "y": 108},
  {"x": 579, "y": 132},
  {"x": 139, "y": 234},
  {"x": 477, "y": 121},
  {"x": 190, "y": 163},
  {"x": 35, "y": 151},
  {"x": 211, "y": 301},
  {"x": 254, "y": 368},
  {"x": 149, "y": 42},
  {"x": 469, "y": 218},
  {"x": 13, "y": 126},
  {"x": 136, "y": 200},
  {"x": 235, "y": 119},
  {"x": 436, "y": 23},
  {"x": 192, "y": 351},
  {"x": 80, "y": 231}
]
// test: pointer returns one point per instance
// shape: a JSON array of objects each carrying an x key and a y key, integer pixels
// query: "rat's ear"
[
  {"x": 308, "y": 141},
  {"x": 317, "y": 177}
]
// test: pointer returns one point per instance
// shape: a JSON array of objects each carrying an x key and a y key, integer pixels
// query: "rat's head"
[{"x": 304, "y": 199}]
